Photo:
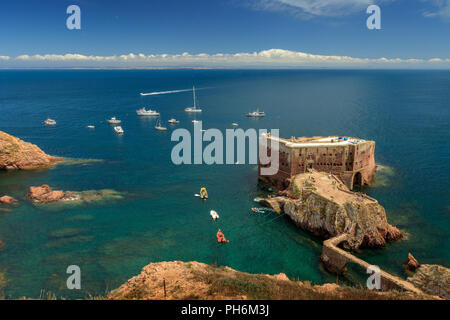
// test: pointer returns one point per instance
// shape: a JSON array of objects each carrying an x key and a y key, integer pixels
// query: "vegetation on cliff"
[{"x": 194, "y": 280}]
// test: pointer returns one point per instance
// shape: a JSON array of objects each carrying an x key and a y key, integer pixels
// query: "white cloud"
[
  {"x": 442, "y": 9},
  {"x": 265, "y": 58},
  {"x": 314, "y": 8}
]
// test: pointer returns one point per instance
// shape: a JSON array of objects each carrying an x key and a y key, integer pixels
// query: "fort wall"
[{"x": 352, "y": 160}]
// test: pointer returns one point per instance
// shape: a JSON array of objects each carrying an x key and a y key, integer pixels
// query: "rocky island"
[
  {"x": 16, "y": 154},
  {"x": 322, "y": 204}
]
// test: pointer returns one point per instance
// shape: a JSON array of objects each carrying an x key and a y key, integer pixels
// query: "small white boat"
[
  {"x": 144, "y": 112},
  {"x": 195, "y": 121},
  {"x": 214, "y": 215},
  {"x": 159, "y": 126},
  {"x": 234, "y": 124},
  {"x": 113, "y": 120},
  {"x": 90, "y": 127},
  {"x": 173, "y": 121},
  {"x": 50, "y": 122},
  {"x": 118, "y": 129},
  {"x": 256, "y": 114},
  {"x": 193, "y": 109}
]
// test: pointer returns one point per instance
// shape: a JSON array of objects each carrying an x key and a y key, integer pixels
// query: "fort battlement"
[{"x": 351, "y": 159}]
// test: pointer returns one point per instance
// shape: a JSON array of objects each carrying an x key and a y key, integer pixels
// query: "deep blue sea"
[{"x": 407, "y": 113}]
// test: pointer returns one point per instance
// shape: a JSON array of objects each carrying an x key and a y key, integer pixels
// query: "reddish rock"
[
  {"x": 7, "y": 200},
  {"x": 411, "y": 264},
  {"x": 45, "y": 194},
  {"x": 17, "y": 154}
]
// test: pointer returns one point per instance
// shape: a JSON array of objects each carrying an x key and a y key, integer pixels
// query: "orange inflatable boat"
[{"x": 221, "y": 237}]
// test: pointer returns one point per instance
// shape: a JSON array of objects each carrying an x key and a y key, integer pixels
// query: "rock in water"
[
  {"x": 411, "y": 263},
  {"x": 44, "y": 194},
  {"x": 321, "y": 204},
  {"x": 18, "y": 154},
  {"x": 7, "y": 200},
  {"x": 432, "y": 279}
]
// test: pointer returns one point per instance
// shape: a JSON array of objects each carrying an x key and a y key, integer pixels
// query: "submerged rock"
[
  {"x": 7, "y": 200},
  {"x": 17, "y": 154},
  {"x": 321, "y": 204},
  {"x": 44, "y": 194},
  {"x": 432, "y": 279}
]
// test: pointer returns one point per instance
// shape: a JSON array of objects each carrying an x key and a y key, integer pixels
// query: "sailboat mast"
[{"x": 195, "y": 99}]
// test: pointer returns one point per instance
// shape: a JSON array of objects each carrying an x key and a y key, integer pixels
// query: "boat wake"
[
  {"x": 168, "y": 92},
  {"x": 164, "y": 92}
]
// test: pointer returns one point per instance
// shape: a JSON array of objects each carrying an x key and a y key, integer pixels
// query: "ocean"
[{"x": 407, "y": 113}]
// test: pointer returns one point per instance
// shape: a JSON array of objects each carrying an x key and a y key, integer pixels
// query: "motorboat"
[
  {"x": 144, "y": 112},
  {"x": 50, "y": 122},
  {"x": 118, "y": 129},
  {"x": 173, "y": 121},
  {"x": 113, "y": 120},
  {"x": 256, "y": 114}
]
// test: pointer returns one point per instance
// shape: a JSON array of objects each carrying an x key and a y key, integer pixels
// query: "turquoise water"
[{"x": 406, "y": 112}]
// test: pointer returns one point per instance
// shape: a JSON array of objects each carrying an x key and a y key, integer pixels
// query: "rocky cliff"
[
  {"x": 321, "y": 204},
  {"x": 432, "y": 279},
  {"x": 18, "y": 154},
  {"x": 194, "y": 280}
]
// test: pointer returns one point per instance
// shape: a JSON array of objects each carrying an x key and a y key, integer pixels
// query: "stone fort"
[{"x": 351, "y": 159}]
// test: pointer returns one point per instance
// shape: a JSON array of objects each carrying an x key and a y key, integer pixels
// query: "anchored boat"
[
  {"x": 193, "y": 109},
  {"x": 50, "y": 122},
  {"x": 119, "y": 130},
  {"x": 256, "y": 114},
  {"x": 144, "y": 112},
  {"x": 173, "y": 121},
  {"x": 113, "y": 120},
  {"x": 159, "y": 126}
]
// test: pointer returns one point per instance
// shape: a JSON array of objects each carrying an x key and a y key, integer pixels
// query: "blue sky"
[{"x": 34, "y": 33}]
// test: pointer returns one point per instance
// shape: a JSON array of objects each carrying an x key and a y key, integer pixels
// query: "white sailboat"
[
  {"x": 194, "y": 108},
  {"x": 159, "y": 126}
]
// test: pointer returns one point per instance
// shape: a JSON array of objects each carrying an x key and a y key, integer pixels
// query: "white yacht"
[
  {"x": 144, "y": 112},
  {"x": 118, "y": 129},
  {"x": 256, "y": 114},
  {"x": 50, "y": 122},
  {"x": 234, "y": 124},
  {"x": 113, "y": 120},
  {"x": 195, "y": 121},
  {"x": 159, "y": 126},
  {"x": 90, "y": 127},
  {"x": 173, "y": 121},
  {"x": 193, "y": 109}
]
